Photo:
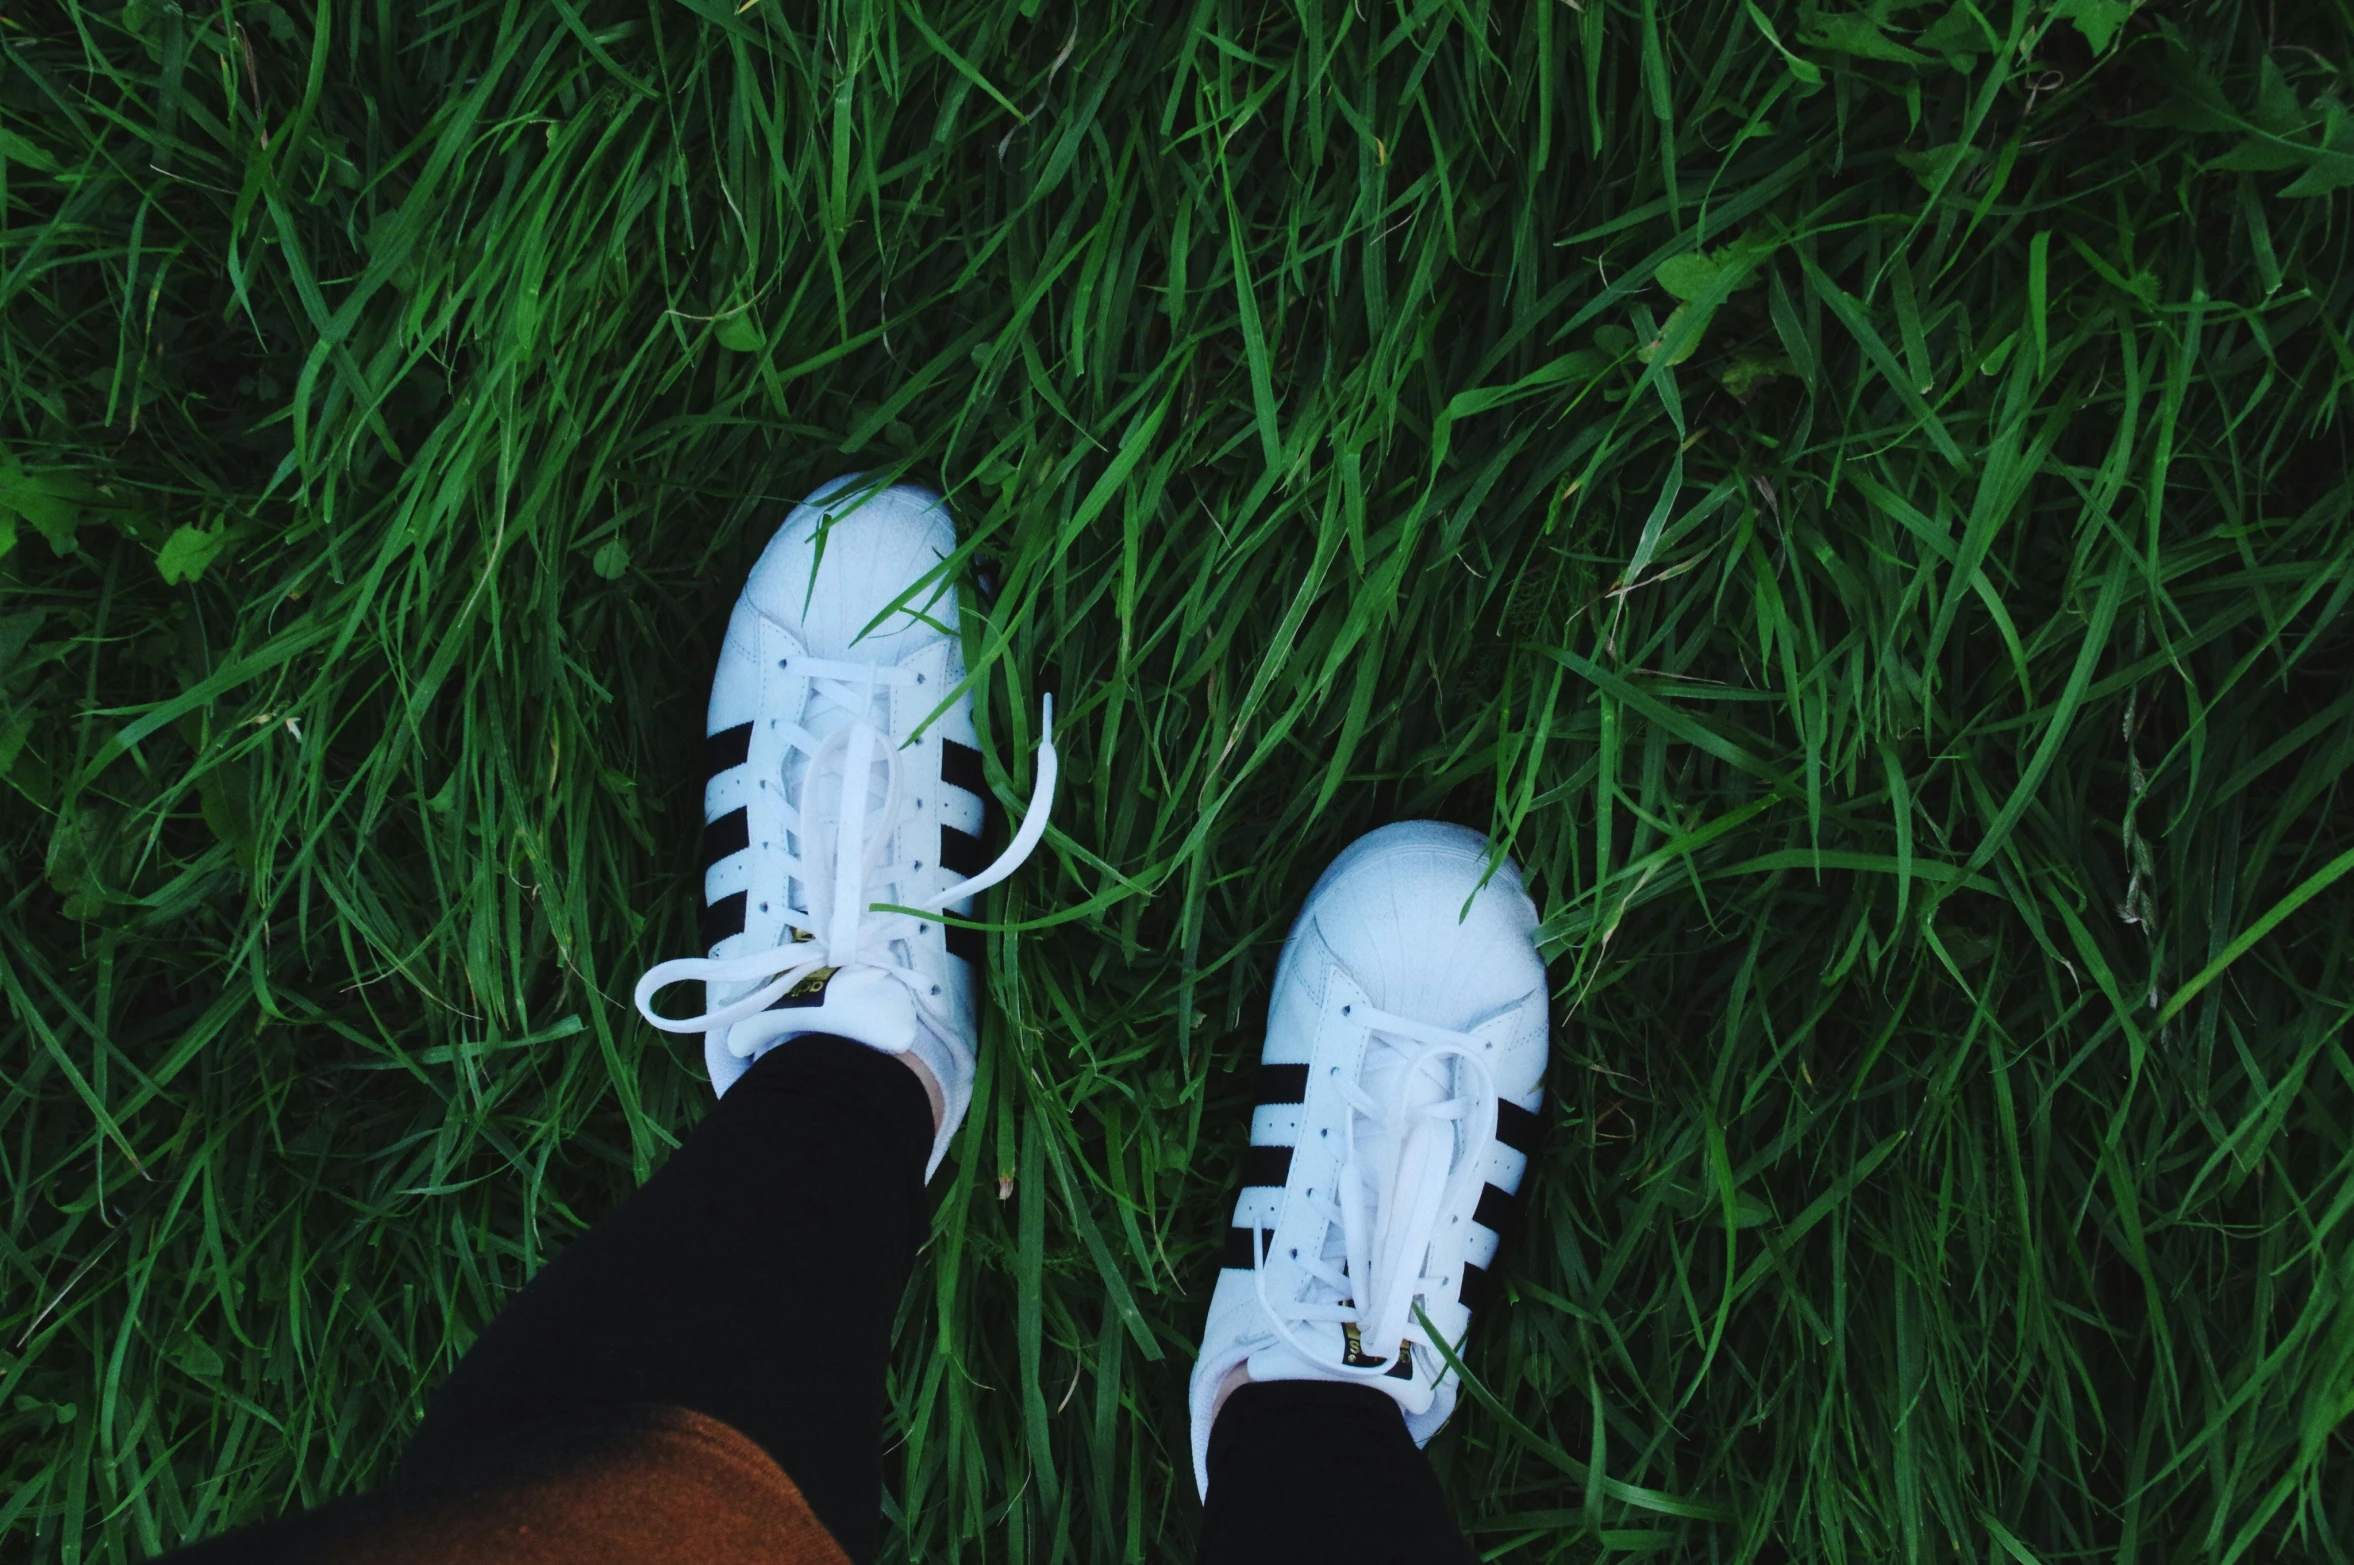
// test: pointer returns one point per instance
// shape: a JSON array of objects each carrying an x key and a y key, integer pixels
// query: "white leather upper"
[
  {"x": 1387, "y": 931},
  {"x": 845, "y": 782}
]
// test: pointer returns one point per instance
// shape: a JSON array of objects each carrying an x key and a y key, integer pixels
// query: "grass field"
[{"x": 1858, "y": 500}]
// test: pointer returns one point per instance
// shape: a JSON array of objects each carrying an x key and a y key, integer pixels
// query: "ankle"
[
  {"x": 932, "y": 1092},
  {"x": 1236, "y": 1378}
]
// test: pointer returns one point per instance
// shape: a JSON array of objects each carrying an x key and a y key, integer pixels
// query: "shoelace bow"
[
  {"x": 849, "y": 929},
  {"x": 1386, "y": 1234}
]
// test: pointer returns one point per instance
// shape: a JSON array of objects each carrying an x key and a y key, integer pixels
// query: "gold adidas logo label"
[
  {"x": 1354, "y": 1355},
  {"x": 809, "y": 991}
]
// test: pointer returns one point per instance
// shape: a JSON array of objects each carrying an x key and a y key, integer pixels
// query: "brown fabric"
[{"x": 677, "y": 1487}]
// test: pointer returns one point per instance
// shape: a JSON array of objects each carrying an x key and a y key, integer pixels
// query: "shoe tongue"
[
  {"x": 1391, "y": 1080},
  {"x": 818, "y": 787},
  {"x": 820, "y": 782},
  {"x": 826, "y": 718},
  {"x": 864, "y": 1004},
  {"x": 1278, "y": 1361}
]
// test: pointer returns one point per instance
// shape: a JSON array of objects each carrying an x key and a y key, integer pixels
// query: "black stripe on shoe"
[
  {"x": 1476, "y": 1285},
  {"x": 1497, "y": 1211},
  {"x": 729, "y": 747},
  {"x": 731, "y": 833},
  {"x": 961, "y": 853},
  {"x": 1242, "y": 1248},
  {"x": 1517, "y": 1127},
  {"x": 1269, "y": 1166},
  {"x": 1282, "y": 1084},
  {"x": 960, "y": 767},
  {"x": 723, "y": 918},
  {"x": 966, "y": 945}
]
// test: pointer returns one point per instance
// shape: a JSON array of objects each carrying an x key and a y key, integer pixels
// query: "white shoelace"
[
  {"x": 846, "y": 928},
  {"x": 1387, "y": 1226}
]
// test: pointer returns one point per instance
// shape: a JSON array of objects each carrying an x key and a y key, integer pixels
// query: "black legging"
[{"x": 754, "y": 1278}]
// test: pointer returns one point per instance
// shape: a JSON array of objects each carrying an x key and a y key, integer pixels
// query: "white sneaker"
[
  {"x": 1405, "y": 1059},
  {"x": 825, "y": 803}
]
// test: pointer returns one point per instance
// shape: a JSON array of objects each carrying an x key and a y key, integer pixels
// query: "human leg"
[
  {"x": 753, "y": 1279},
  {"x": 743, "y": 1299},
  {"x": 1310, "y": 1469}
]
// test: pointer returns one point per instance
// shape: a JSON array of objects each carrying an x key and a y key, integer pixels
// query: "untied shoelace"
[
  {"x": 1386, "y": 1234},
  {"x": 850, "y": 929}
]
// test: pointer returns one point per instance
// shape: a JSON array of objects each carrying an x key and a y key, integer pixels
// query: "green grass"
[{"x": 1915, "y": 673}]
